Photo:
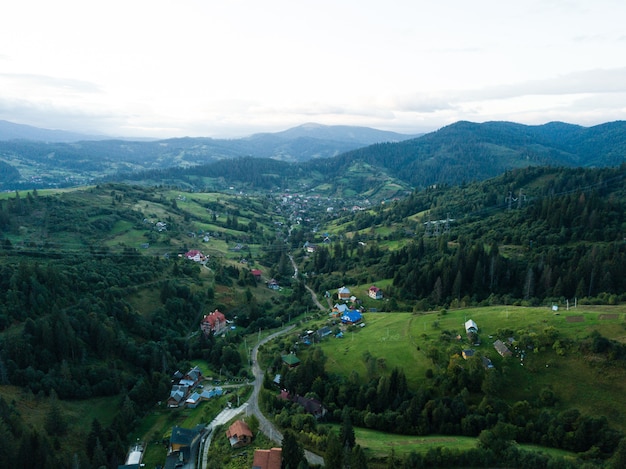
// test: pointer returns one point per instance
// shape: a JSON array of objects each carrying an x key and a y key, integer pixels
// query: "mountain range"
[{"x": 321, "y": 158}]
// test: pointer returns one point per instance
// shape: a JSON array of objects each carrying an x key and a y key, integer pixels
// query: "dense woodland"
[{"x": 69, "y": 330}]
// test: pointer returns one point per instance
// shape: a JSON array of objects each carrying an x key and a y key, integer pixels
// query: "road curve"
[{"x": 265, "y": 425}]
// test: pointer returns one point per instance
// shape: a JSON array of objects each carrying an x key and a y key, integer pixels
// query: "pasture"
[{"x": 593, "y": 384}]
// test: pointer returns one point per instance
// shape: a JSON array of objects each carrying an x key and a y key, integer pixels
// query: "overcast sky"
[{"x": 227, "y": 68}]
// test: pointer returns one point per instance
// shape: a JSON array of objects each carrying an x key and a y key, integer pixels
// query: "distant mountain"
[
  {"x": 466, "y": 151},
  {"x": 342, "y": 133},
  {"x": 12, "y": 131},
  {"x": 330, "y": 160},
  {"x": 29, "y": 154}
]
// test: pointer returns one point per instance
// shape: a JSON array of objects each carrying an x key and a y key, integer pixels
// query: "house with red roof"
[
  {"x": 239, "y": 434},
  {"x": 213, "y": 322},
  {"x": 195, "y": 255},
  {"x": 375, "y": 293},
  {"x": 267, "y": 458}
]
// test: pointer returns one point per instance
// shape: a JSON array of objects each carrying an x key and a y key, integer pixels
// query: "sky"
[{"x": 231, "y": 68}]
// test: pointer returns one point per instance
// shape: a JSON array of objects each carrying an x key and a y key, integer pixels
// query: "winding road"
[{"x": 252, "y": 407}]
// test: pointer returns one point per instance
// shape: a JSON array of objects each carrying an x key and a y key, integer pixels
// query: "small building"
[
  {"x": 375, "y": 293},
  {"x": 239, "y": 434},
  {"x": 195, "y": 255},
  {"x": 502, "y": 349},
  {"x": 467, "y": 353},
  {"x": 487, "y": 363},
  {"x": 470, "y": 326},
  {"x": 291, "y": 360},
  {"x": 273, "y": 284},
  {"x": 324, "y": 332},
  {"x": 343, "y": 293},
  {"x": 267, "y": 458},
  {"x": 256, "y": 273}
]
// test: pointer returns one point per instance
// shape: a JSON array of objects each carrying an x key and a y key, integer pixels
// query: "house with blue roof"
[{"x": 351, "y": 317}]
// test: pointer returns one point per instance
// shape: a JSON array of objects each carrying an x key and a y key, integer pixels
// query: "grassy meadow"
[{"x": 592, "y": 384}]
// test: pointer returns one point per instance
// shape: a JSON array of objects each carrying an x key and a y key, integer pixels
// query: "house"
[
  {"x": 291, "y": 360},
  {"x": 343, "y": 293},
  {"x": 351, "y": 317},
  {"x": 213, "y": 322},
  {"x": 183, "y": 445},
  {"x": 182, "y": 438},
  {"x": 467, "y": 353},
  {"x": 192, "y": 377},
  {"x": 470, "y": 326},
  {"x": 256, "y": 273},
  {"x": 502, "y": 349},
  {"x": 267, "y": 458},
  {"x": 310, "y": 247},
  {"x": 311, "y": 406},
  {"x": 339, "y": 310},
  {"x": 273, "y": 284},
  {"x": 239, "y": 434},
  {"x": 375, "y": 293},
  {"x": 195, "y": 255},
  {"x": 177, "y": 395}
]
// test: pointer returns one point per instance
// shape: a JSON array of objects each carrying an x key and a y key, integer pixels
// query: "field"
[{"x": 403, "y": 340}]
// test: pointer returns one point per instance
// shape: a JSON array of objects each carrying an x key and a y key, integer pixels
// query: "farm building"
[
  {"x": 470, "y": 326},
  {"x": 501, "y": 348}
]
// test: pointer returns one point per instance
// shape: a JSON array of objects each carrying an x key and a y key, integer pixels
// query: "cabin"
[
  {"x": 291, "y": 360},
  {"x": 239, "y": 434}
]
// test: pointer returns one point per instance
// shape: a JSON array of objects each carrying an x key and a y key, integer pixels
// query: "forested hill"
[
  {"x": 329, "y": 160},
  {"x": 534, "y": 234},
  {"x": 460, "y": 153},
  {"x": 466, "y": 151}
]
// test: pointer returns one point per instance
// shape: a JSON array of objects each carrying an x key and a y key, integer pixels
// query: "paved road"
[{"x": 252, "y": 407}]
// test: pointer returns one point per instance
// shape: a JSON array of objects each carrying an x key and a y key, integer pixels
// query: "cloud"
[
  {"x": 40, "y": 82},
  {"x": 581, "y": 82}
]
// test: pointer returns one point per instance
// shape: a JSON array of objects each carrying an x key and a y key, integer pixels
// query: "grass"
[
  {"x": 385, "y": 336},
  {"x": 78, "y": 414},
  {"x": 402, "y": 340},
  {"x": 379, "y": 445}
]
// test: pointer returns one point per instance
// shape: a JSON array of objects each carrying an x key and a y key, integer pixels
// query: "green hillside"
[{"x": 99, "y": 306}]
